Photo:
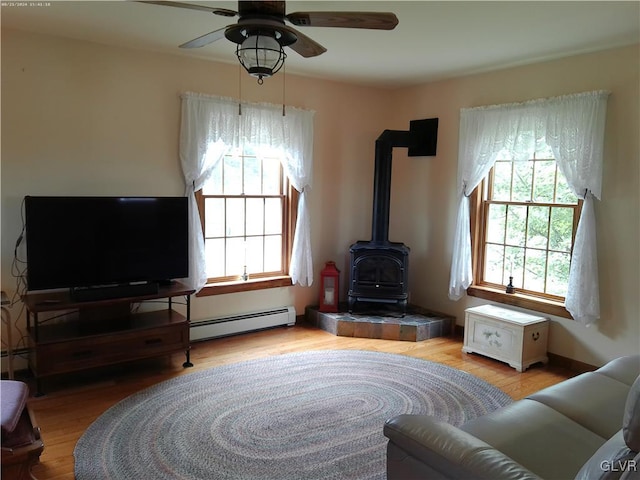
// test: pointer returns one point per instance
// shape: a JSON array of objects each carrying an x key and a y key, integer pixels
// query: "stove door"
[{"x": 378, "y": 275}]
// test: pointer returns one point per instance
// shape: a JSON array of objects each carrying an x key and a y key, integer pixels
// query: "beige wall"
[
  {"x": 81, "y": 118},
  {"x": 430, "y": 233},
  {"x": 85, "y": 119}
]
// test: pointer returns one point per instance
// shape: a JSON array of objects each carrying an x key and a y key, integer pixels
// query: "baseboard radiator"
[{"x": 246, "y": 322}]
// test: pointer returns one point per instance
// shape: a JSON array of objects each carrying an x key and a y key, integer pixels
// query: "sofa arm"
[{"x": 447, "y": 451}]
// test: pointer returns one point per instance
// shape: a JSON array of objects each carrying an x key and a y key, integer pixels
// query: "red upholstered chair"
[{"x": 21, "y": 442}]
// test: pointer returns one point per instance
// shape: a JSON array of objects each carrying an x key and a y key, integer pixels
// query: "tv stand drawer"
[{"x": 89, "y": 352}]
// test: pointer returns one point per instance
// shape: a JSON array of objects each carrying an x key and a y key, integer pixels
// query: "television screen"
[{"x": 99, "y": 241}]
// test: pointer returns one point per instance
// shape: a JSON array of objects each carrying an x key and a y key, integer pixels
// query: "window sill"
[
  {"x": 519, "y": 300},
  {"x": 244, "y": 286}
]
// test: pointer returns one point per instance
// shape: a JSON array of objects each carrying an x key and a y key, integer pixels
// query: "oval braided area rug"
[{"x": 309, "y": 415}]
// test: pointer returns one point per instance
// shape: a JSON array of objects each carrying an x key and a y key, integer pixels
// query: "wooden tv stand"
[{"x": 81, "y": 335}]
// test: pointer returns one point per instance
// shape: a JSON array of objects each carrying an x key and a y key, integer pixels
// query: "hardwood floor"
[{"x": 73, "y": 402}]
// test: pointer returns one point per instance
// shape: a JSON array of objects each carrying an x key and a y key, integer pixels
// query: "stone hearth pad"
[{"x": 416, "y": 325}]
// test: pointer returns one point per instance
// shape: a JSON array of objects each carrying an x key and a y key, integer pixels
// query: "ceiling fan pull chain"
[
  {"x": 284, "y": 77},
  {"x": 239, "y": 90}
]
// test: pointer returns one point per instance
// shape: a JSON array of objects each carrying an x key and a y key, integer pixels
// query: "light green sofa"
[{"x": 587, "y": 427}]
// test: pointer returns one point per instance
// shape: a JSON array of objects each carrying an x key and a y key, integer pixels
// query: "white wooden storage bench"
[{"x": 516, "y": 338}]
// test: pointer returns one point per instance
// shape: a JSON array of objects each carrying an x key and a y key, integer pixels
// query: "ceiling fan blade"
[
  {"x": 218, "y": 11},
  {"x": 369, "y": 20},
  {"x": 205, "y": 39},
  {"x": 304, "y": 45}
]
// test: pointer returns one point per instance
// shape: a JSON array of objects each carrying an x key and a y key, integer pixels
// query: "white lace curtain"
[
  {"x": 210, "y": 127},
  {"x": 573, "y": 126}
]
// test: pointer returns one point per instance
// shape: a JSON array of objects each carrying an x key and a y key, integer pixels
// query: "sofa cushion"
[
  {"x": 13, "y": 398},
  {"x": 623, "y": 369},
  {"x": 632, "y": 472},
  {"x": 631, "y": 421},
  {"x": 537, "y": 437},
  {"x": 579, "y": 397},
  {"x": 609, "y": 462}
]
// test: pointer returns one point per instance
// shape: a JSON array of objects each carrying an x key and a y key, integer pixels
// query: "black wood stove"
[{"x": 379, "y": 268}]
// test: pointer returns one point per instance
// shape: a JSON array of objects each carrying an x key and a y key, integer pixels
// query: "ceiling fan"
[{"x": 261, "y": 33}]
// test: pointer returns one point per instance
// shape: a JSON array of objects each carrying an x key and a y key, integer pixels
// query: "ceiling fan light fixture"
[
  {"x": 261, "y": 31},
  {"x": 261, "y": 55}
]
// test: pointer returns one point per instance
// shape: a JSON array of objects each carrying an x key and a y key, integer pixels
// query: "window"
[
  {"x": 246, "y": 209},
  {"x": 526, "y": 219},
  {"x": 574, "y": 125},
  {"x": 209, "y": 126}
]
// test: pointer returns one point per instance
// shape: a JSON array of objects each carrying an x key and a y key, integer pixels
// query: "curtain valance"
[
  {"x": 573, "y": 126},
  {"x": 211, "y": 126}
]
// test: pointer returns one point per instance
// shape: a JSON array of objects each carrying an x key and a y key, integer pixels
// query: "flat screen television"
[{"x": 81, "y": 242}]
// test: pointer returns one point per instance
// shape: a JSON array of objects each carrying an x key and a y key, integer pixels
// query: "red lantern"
[{"x": 329, "y": 288}]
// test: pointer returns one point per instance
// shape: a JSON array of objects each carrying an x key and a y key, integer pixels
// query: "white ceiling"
[{"x": 434, "y": 40}]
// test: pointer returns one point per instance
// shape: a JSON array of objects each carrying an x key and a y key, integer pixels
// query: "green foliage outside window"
[{"x": 530, "y": 223}]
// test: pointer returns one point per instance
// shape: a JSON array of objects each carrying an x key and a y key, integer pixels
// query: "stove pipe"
[{"x": 382, "y": 182}]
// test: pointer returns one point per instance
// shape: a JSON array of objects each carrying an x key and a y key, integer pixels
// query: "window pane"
[
  {"x": 563, "y": 191},
  {"x": 213, "y": 186},
  {"x": 255, "y": 254},
  {"x": 516, "y": 218},
  {"x": 558, "y": 274},
  {"x": 502, "y": 181},
  {"x": 494, "y": 263},
  {"x": 271, "y": 176},
  {"x": 235, "y": 217},
  {"x": 255, "y": 216},
  {"x": 538, "y": 227},
  {"x": 273, "y": 215},
  {"x": 214, "y": 217},
  {"x": 232, "y": 175},
  {"x": 496, "y": 223},
  {"x": 235, "y": 256},
  {"x": 252, "y": 176},
  {"x": 514, "y": 266},
  {"x": 522, "y": 181},
  {"x": 535, "y": 266},
  {"x": 545, "y": 181},
  {"x": 561, "y": 229},
  {"x": 273, "y": 253},
  {"x": 214, "y": 257}
]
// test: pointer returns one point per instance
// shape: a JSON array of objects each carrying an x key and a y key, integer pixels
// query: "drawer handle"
[
  {"x": 153, "y": 341},
  {"x": 82, "y": 353},
  {"x": 535, "y": 336}
]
